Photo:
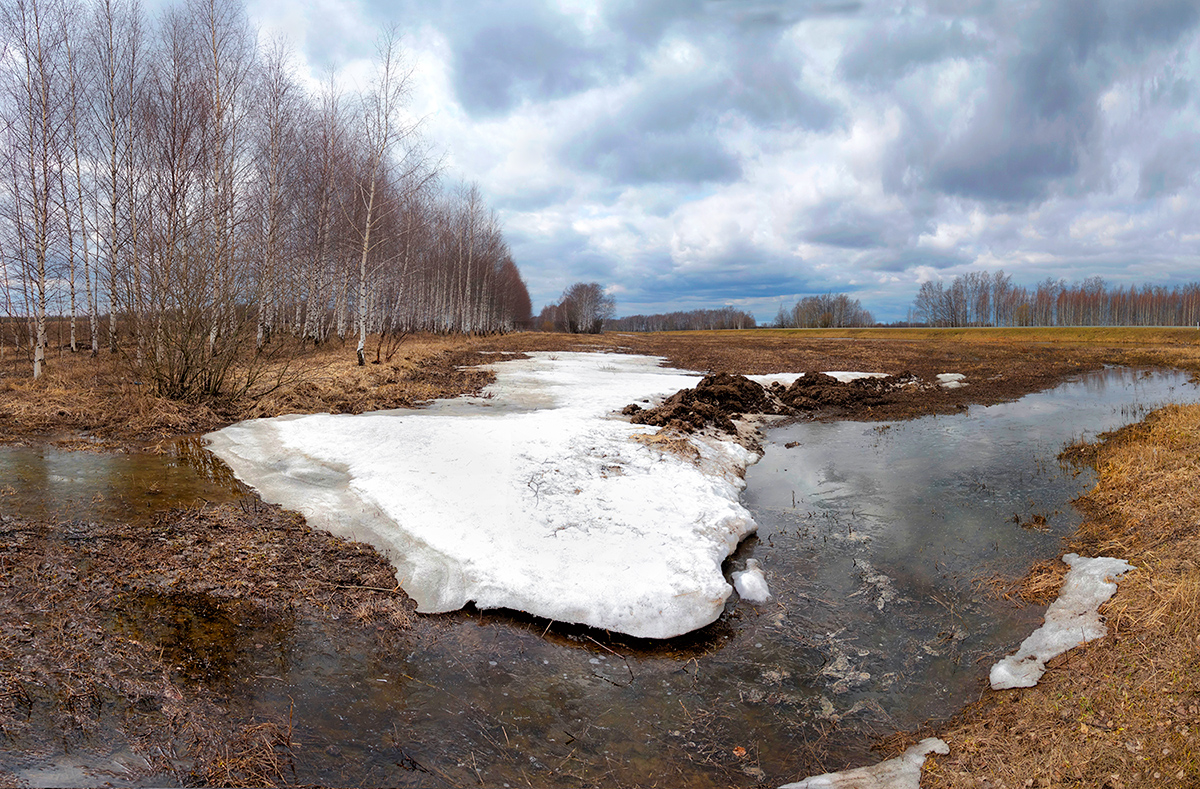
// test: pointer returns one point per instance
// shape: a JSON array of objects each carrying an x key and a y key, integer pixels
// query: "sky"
[{"x": 702, "y": 153}]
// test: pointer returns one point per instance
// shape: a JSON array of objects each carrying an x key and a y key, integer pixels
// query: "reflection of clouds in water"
[{"x": 851, "y": 514}]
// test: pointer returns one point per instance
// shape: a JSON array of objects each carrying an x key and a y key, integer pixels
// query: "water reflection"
[{"x": 47, "y": 482}]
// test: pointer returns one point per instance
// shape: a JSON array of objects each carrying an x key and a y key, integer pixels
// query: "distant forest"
[
  {"x": 691, "y": 320},
  {"x": 170, "y": 182},
  {"x": 991, "y": 299}
]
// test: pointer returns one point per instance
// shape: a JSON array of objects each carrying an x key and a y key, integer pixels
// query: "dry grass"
[
  {"x": 79, "y": 393},
  {"x": 1123, "y": 711},
  {"x": 81, "y": 644}
]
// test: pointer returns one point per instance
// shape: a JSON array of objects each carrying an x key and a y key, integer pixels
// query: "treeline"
[
  {"x": 991, "y": 299},
  {"x": 830, "y": 311},
  {"x": 170, "y": 179},
  {"x": 691, "y": 320},
  {"x": 583, "y": 309}
]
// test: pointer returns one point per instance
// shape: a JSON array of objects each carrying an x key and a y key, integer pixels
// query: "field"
[{"x": 1122, "y": 711}]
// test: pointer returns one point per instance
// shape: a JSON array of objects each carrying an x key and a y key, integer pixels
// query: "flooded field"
[{"x": 874, "y": 537}]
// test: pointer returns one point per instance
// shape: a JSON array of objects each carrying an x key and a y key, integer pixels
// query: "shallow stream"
[{"x": 875, "y": 538}]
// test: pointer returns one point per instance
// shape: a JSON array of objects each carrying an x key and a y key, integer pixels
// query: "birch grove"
[
  {"x": 980, "y": 298},
  {"x": 215, "y": 215}
]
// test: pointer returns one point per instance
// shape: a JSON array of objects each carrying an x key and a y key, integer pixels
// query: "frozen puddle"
[{"x": 532, "y": 497}]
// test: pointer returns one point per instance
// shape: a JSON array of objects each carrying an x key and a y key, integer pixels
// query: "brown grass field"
[{"x": 1123, "y": 711}]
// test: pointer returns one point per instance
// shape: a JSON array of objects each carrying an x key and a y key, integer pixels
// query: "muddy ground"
[{"x": 78, "y": 599}]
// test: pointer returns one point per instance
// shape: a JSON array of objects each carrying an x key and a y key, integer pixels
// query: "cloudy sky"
[{"x": 696, "y": 153}]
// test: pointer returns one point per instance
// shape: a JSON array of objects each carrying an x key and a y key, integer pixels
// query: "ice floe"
[
  {"x": 751, "y": 584},
  {"x": 903, "y": 772},
  {"x": 533, "y": 497},
  {"x": 1071, "y": 620}
]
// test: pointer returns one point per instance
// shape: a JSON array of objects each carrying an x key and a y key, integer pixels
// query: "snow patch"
[
  {"x": 787, "y": 379},
  {"x": 531, "y": 497},
  {"x": 952, "y": 380},
  {"x": 903, "y": 772},
  {"x": 751, "y": 584},
  {"x": 1071, "y": 620}
]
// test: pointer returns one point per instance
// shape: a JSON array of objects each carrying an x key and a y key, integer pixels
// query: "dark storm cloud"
[
  {"x": 848, "y": 225},
  {"x": 1037, "y": 124},
  {"x": 768, "y": 91},
  {"x": 648, "y": 22},
  {"x": 638, "y": 157},
  {"x": 667, "y": 132},
  {"x": 1153, "y": 23},
  {"x": 537, "y": 58},
  {"x": 742, "y": 273},
  {"x": 895, "y": 261},
  {"x": 1171, "y": 167},
  {"x": 1038, "y": 112}
]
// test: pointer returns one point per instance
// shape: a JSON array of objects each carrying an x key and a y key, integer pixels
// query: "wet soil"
[{"x": 99, "y": 626}]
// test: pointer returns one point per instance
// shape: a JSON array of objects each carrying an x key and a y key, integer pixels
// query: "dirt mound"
[
  {"x": 719, "y": 399},
  {"x": 716, "y": 401},
  {"x": 815, "y": 391}
]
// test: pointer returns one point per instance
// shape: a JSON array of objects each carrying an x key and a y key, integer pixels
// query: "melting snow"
[
  {"x": 952, "y": 380},
  {"x": 532, "y": 497},
  {"x": 751, "y": 584},
  {"x": 903, "y": 772},
  {"x": 1072, "y": 619}
]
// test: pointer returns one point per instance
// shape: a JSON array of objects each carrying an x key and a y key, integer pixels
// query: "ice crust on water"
[
  {"x": 751, "y": 584},
  {"x": 533, "y": 497},
  {"x": 1071, "y": 620},
  {"x": 903, "y": 772}
]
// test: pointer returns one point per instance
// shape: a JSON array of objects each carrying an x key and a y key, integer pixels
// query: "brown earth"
[
  {"x": 64, "y": 668},
  {"x": 80, "y": 602}
]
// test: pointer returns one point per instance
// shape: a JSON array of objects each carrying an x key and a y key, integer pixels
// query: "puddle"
[
  {"x": 872, "y": 537},
  {"x": 45, "y": 482}
]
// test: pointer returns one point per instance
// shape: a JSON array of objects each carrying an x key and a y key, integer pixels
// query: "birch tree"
[
  {"x": 382, "y": 131},
  {"x": 35, "y": 124}
]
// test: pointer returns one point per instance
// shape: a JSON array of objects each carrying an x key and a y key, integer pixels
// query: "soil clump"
[{"x": 720, "y": 399}]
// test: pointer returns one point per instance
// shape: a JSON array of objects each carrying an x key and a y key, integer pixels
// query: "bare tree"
[
  {"x": 382, "y": 130},
  {"x": 35, "y": 123},
  {"x": 585, "y": 307}
]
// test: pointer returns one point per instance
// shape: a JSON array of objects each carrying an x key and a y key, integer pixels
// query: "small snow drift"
[
  {"x": 751, "y": 584},
  {"x": 1071, "y": 620},
  {"x": 952, "y": 380},
  {"x": 903, "y": 772},
  {"x": 533, "y": 497}
]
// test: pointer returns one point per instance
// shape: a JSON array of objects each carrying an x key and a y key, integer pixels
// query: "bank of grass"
[
  {"x": 100, "y": 398},
  {"x": 1123, "y": 711}
]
